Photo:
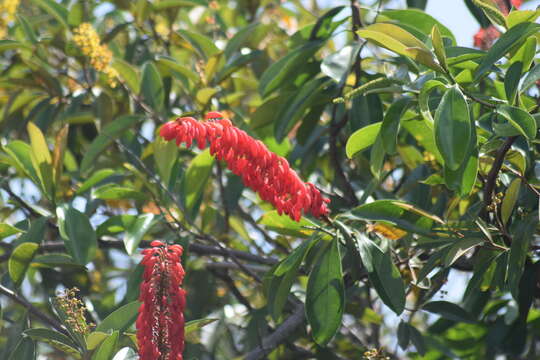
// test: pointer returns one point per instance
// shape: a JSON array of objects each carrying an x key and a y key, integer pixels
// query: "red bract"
[
  {"x": 160, "y": 324},
  {"x": 260, "y": 169}
]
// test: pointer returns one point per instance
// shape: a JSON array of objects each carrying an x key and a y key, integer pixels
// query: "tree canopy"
[{"x": 345, "y": 179}]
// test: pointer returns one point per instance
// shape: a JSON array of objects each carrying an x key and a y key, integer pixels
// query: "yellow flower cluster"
[
  {"x": 8, "y": 9},
  {"x": 100, "y": 56}
]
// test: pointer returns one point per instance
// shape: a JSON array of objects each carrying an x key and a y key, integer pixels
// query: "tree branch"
[{"x": 46, "y": 319}]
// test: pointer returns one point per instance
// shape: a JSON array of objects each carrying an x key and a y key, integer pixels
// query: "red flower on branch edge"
[
  {"x": 160, "y": 323},
  {"x": 263, "y": 171}
]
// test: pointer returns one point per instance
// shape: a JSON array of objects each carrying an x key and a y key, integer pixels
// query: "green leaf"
[
  {"x": 6, "y": 45},
  {"x": 27, "y": 28},
  {"x": 398, "y": 213},
  {"x": 240, "y": 38},
  {"x": 463, "y": 179},
  {"x": 362, "y": 139},
  {"x": 8, "y": 230},
  {"x": 120, "y": 319},
  {"x": 20, "y": 153},
  {"x": 115, "y": 192},
  {"x": 453, "y": 128},
  {"x": 107, "y": 135},
  {"x": 519, "y": 251},
  {"x": 41, "y": 159},
  {"x": 491, "y": 11},
  {"x": 403, "y": 334},
  {"x": 195, "y": 179},
  {"x": 58, "y": 11},
  {"x": 390, "y": 125},
  {"x": 521, "y": 120},
  {"x": 172, "y": 65},
  {"x": 94, "y": 179},
  {"x": 198, "y": 324},
  {"x": 417, "y": 19},
  {"x": 382, "y": 273},
  {"x": 517, "y": 17},
  {"x": 325, "y": 296},
  {"x": 283, "y": 224},
  {"x": 376, "y": 158},
  {"x": 152, "y": 87},
  {"x": 171, "y": 4},
  {"x": 20, "y": 260},
  {"x": 509, "y": 40},
  {"x": 438, "y": 46},
  {"x": 107, "y": 347},
  {"x": 128, "y": 73},
  {"x": 295, "y": 258},
  {"x": 282, "y": 70},
  {"x": 511, "y": 81},
  {"x": 296, "y": 107},
  {"x": 459, "y": 249},
  {"x": 78, "y": 234},
  {"x": 203, "y": 45},
  {"x": 56, "y": 260},
  {"x": 449, "y": 311},
  {"x": 417, "y": 339},
  {"x": 136, "y": 231},
  {"x": 76, "y": 14},
  {"x": 95, "y": 338},
  {"x": 510, "y": 199},
  {"x": 55, "y": 339},
  {"x": 400, "y": 41},
  {"x": 532, "y": 77},
  {"x": 24, "y": 350}
]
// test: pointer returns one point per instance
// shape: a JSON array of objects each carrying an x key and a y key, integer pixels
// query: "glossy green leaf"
[
  {"x": 94, "y": 179},
  {"x": 203, "y": 45},
  {"x": 403, "y": 335},
  {"x": 289, "y": 116},
  {"x": 116, "y": 192},
  {"x": 521, "y": 120},
  {"x": 509, "y": 40},
  {"x": 532, "y": 77},
  {"x": 325, "y": 296},
  {"x": 449, "y": 311},
  {"x": 152, "y": 87},
  {"x": 521, "y": 241},
  {"x": 134, "y": 234},
  {"x": 383, "y": 274},
  {"x": 20, "y": 260},
  {"x": 41, "y": 159},
  {"x": 25, "y": 350},
  {"x": 417, "y": 19},
  {"x": 491, "y": 11},
  {"x": 20, "y": 152},
  {"x": 283, "y": 224},
  {"x": 459, "y": 249},
  {"x": 107, "y": 347},
  {"x": 27, "y": 28},
  {"x": 362, "y": 139},
  {"x": 55, "y": 339},
  {"x": 510, "y": 199},
  {"x": 55, "y": 260},
  {"x": 391, "y": 123},
  {"x": 95, "y": 338},
  {"x": 8, "y": 230},
  {"x": 196, "y": 177},
  {"x": 120, "y": 319},
  {"x": 295, "y": 258},
  {"x": 106, "y": 137},
  {"x": 128, "y": 73},
  {"x": 398, "y": 213},
  {"x": 511, "y": 81},
  {"x": 78, "y": 234},
  {"x": 418, "y": 340},
  {"x": 453, "y": 128},
  {"x": 517, "y": 17},
  {"x": 282, "y": 70},
  {"x": 438, "y": 46},
  {"x": 57, "y": 10},
  {"x": 173, "y": 65}
]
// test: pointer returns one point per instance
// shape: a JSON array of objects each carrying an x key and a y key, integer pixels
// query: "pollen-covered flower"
[
  {"x": 260, "y": 169},
  {"x": 100, "y": 56},
  {"x": 160, "y": 324}
]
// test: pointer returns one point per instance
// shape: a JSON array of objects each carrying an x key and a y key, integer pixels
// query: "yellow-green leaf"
[
  {"x": 510, "y": 199},
  {"x": 41, "y": 159}
]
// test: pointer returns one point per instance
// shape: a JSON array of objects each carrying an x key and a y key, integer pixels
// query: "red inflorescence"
[
  {"x": 265, "y": 172},
  {"x": 160, "y": 324}
]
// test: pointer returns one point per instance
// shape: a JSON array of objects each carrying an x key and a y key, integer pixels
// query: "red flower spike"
[
  {"x": 260, "y": 169},
  {"x": 160, "y": 324}
]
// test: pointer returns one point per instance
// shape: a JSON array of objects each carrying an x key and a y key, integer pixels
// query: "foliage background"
[{"x": 431, "y": 250}]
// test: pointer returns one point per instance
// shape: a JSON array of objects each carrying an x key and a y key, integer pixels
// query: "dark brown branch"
[
  {"x": 494, "y": 171},
  {"x": 279, "y": 336},
  {"x": 46, "y": 319}
]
